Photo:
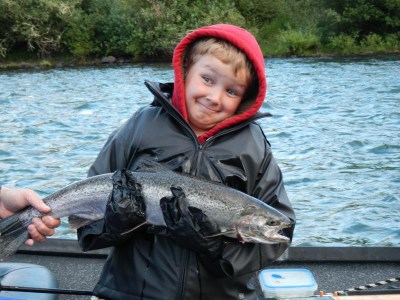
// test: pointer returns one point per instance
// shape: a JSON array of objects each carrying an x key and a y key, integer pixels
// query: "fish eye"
[{"x": 272, "y": 223}]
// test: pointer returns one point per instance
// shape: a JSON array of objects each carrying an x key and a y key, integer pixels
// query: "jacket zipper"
[
  {"x": 200, "y": 147},
  {"x": 162, "y": 99},
  {"x": 177, "y": 116},
  {"x": 226, "y": 131},
  {"x": 170, "y": 109},
  {"x": 182, "y": 281}
]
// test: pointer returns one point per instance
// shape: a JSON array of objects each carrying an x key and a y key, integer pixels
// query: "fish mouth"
[
  {"x": 268, "y": 237},
  {"x": 279, "y": 238},
  {"x": 276, "y": 239}
]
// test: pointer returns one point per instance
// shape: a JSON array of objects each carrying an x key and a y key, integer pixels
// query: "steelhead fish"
[{"x": 237, "y": 214}]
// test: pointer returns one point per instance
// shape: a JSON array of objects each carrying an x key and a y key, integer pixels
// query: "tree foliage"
[
  {"x": 361, "y": 17},
  {"x": 34, "y": 25},
  {"x": 149, "y": 29},
  {"x": 159, "y": 25}
]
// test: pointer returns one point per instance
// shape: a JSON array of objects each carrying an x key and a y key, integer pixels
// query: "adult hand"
[{"x": 12, "y": 200}]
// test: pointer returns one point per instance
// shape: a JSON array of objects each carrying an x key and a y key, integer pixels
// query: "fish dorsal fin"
[{"x": 147, "y": 165}]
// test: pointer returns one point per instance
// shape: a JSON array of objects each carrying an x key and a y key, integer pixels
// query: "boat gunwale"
[{"x": 70, "y": 247}]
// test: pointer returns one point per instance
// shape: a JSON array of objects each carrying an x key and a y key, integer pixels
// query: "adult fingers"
[
  {"x": 51, "y": 222},
  {"x": 40, "y": 230},
  {"x": 35, "y": 201},
  {"x": 35, "y": 235}
]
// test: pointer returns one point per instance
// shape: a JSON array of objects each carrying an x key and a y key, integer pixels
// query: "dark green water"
[{"x": 335, "y": 132}]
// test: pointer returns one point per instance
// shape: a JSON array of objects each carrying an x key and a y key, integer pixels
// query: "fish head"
[{"x": 261, "y": 225}]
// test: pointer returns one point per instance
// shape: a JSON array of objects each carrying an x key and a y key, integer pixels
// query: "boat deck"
[{"x": 334, "y": 269}]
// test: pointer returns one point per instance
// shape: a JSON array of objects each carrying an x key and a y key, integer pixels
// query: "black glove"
[
  {"x": 126, "y": 207},
  {"x": 188, "y": 226}
]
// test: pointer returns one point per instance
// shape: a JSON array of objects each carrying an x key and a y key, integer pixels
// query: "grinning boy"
[{"x": 203, "y": 125}]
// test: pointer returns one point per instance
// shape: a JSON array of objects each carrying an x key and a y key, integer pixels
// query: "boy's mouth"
[{"x": 207, "y": 107}]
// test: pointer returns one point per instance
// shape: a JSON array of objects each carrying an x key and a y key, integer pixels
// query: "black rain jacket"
[{"x": 147, "y": 266}]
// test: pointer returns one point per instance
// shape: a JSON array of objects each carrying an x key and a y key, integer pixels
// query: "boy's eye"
[
  {"x": 231, "y": 92},
  {"x": 206, "y": 79}
]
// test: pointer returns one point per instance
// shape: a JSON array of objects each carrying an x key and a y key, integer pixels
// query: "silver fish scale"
[
  {"x": 237, "y": 214},
  {"x": 84, "y": 199},
  {"x": 87, "y": 199},
  {"x": 221, "y": 203}
]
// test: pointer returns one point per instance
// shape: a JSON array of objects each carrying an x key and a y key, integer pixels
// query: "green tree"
[
  {"x": 150, "y": 29},
  {"x": 287, "y": 27},
  {"x": 100, "y": 28},
  {"x": 360, "y": 18},
  {"x": 34, "y": 25},
  {"x": 159, "y": 25}
]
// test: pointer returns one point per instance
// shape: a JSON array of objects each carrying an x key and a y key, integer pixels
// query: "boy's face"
[{"x": 213, "y": 92}]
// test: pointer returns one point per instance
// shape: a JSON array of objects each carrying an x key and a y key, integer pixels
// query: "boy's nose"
[{"x": 215, "y": 95}]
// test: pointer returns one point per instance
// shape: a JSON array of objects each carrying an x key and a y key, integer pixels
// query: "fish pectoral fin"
[
  {"x": 77, "y": 222},
  {"x": 226, "y": 232},
  {"x": 134, "y": 228}
]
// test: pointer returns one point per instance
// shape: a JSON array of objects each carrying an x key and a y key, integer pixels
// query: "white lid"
[{"x": 287, "y": 278}]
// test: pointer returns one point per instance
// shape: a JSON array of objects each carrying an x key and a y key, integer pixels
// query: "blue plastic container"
[{"x": 287, "y": 283}]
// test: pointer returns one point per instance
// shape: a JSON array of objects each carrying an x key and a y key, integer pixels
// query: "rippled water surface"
[{"x": 335, "y": 132}]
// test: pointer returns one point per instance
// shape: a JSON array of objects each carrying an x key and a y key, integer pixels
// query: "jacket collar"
[{"x": 162, "y": 93}]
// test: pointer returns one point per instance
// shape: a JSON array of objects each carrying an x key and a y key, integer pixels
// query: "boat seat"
[{"x": 26, "y": 275}]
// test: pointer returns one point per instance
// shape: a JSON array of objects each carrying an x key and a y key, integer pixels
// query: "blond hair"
[{"x": 225, "y": 52}]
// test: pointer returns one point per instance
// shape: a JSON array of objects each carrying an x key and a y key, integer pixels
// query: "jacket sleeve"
[
  {"x": 267, "y": 185},
  {"x": 251, "y": 257},
  {"x": 114, "y": 155}
]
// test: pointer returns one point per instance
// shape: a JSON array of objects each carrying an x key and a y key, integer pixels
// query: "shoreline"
[{"x": 56, "y": 63}]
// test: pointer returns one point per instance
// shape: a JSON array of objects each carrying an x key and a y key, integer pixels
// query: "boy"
[{"x": 202, "y": 125}]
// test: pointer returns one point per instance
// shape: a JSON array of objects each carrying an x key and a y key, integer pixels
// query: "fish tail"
[{"x": 13, "y": 234}]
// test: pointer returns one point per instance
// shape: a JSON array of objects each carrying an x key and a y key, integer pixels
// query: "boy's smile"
[{"x": 213, "y": 92}]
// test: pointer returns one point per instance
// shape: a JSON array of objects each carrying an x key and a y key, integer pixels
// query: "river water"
[{"x": 335, "y": 132}]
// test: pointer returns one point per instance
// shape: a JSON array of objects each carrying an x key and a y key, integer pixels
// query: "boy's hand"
[
  {"x": 188, "y": 226},
  {"x": 13, "y": 200},
  {"x": 125, "y": 208}
]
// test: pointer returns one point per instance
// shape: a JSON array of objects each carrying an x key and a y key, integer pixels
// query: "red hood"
[{"x": 243, "y": 40}]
